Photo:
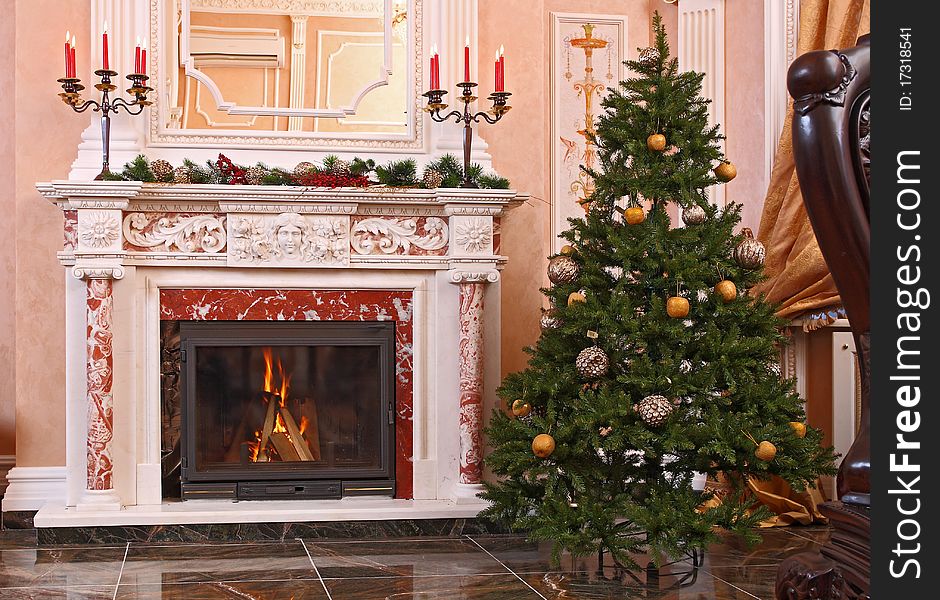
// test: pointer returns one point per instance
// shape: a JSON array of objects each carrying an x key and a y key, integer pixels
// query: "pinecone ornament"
[
  {"x": 654, "y": 410},
  {"x": 693, "y": 215},
  {"x": 162, "y": 170},
  {"x": 750, "y": 252},
  {"x": 562, "y": 270},
  {"x": 254, "y": 175},
  {"x": 181, "y": 175},
  {"x": 550, "y": 319},
  {"x": 339, "y": 167},
  {"x": 592, "y": 363},
  {"x": 303, "y": 168},
  {"x": 648, "y": 56},
  {"x": 433, "y": 179}
]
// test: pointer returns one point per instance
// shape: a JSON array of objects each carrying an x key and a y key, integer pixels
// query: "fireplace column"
[
  {"x": 98, "y": 258},
  {"x": 470, "y": 374}
]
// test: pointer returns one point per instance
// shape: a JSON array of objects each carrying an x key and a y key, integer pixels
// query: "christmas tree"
[{"x": 654, "y": 364}]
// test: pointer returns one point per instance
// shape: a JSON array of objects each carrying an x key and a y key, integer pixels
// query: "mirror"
[{"x": 338, "y": 69}]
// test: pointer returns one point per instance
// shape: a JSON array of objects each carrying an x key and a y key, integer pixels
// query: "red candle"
[
  {"x": 502, "y": 70},
  {"x": 68, "y": 55},
  {"x": 435, "y": 72},
  {"x": 143, "y": 61},
  {"x": 137, "y": 56},
  {"x": 466, "y": 60},
  {"x": 72, "y": 58},
  {"x": 104, "y": 46},
  {"x": 496, "y": 74}
]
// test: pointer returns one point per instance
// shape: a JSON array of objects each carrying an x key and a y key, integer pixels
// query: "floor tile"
[
  {"x": 234, "y": 590},
  {"x": 759, "y": 581},
  {"x": 55, "y": 593},
  {"x": 523, "y": 556},
  {"x": 819, "y": 535},
  {"x": 472, "y": 587},
  {"x": 777, "y": 544},
  {"x": 584, "y": 587},
  {"x": 60, "y": 567},
  {"x": 147, "y": 565},
  {"x": 399, "y": 558}
]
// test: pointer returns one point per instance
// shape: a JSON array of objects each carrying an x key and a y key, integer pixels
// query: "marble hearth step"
[{"x": 221, "y": 521}]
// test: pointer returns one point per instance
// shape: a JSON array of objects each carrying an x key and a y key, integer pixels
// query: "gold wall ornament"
[{"x": 588, "y": 88}]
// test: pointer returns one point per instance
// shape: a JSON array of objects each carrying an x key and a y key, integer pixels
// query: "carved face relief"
[{"x": 289, "y": 238}]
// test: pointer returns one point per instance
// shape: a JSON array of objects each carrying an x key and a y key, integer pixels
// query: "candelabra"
[
  {"x": 436, "y": 105},
  {"x": 72, "y": 95}
]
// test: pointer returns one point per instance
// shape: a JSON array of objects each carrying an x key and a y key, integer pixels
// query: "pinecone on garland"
[
  {"x": 433, "y": 179},
  {"x": 162, "y": 170},
  {"x": 254, "y": 175},
  {"x": 654, "y": 410},
  {"x": 339, "y": 167},
  {"x": 181, "y": 175},
  {"x": 592, "y": 363}
]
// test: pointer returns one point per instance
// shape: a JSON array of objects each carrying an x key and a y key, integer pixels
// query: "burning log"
[
  {"x": 296, "y": 438},
  {"x": 284, "y": 446},
  {"x": 268, "y": 428}
]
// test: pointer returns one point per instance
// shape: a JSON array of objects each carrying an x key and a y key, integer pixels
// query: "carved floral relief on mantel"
[
  {"x": 174, "y": 232},
  {"x": 414, "y": 236},
  {"x": 289, "y": 239}
]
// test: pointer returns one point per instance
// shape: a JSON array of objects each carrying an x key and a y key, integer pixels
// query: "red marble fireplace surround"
[{"x": 318, "y": 305}]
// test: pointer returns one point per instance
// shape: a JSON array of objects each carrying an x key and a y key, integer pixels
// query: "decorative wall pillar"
[
  {"x": 470, "y": 378},
  {"x": 298, "y": 68},
  {"x": 98, "y": 257},
  {"x": 702, "y": 49},
  {"x": 471, "y": 383}
]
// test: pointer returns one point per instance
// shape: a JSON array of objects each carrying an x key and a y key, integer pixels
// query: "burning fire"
[{"x": 277, "y": 386}]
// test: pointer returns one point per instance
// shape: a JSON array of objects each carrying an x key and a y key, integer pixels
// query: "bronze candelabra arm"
[
  {"x": 72, "y": 95},
  {"x": 436, "y": 105}
]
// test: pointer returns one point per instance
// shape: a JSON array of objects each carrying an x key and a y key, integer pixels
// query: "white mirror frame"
[{"x": 164, "y": 60}]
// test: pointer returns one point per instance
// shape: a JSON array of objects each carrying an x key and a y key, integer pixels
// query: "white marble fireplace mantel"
[{"x": 425, "y": 258}]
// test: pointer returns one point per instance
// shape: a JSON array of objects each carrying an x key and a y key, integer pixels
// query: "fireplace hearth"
[{"x": 284, "y": 409}]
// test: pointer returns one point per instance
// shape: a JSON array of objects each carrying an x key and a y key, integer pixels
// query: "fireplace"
[{"x": 286, "y": 409}]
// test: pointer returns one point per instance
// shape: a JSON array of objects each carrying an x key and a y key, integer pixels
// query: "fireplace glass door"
[{"x": 287, "y": 409}]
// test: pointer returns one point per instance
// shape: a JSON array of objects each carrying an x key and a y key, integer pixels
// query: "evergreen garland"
[{"x": 333, "y": 172}]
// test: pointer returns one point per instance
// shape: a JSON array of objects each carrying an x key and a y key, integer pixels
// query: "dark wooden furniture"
[{"x": 831, "y": 139}]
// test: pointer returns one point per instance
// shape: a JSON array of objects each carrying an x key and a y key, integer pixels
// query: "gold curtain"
[{"x": 798, "y": 278}]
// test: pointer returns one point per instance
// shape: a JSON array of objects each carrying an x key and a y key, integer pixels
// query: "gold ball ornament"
[
  {"x": 750, "y": 252},
  {"x": 726, "y": 290},
  {"x": 634, "y": 215},
  {"x": 521, "y": 408},
  {"x": 799, "y": 429},
  {"x": 766, "y": 451},
  {"x": 567, "y": 250},
  {"x": 677, "y": 307},
  {"x": 656, "y": 142},
  {"x": 543, "y": 445},
  {"x": 592, "y": 362},
  {"x": 575, "y": 297},
  {"x": 725, "y": 172},
  {"x": 563, "y": 270}
]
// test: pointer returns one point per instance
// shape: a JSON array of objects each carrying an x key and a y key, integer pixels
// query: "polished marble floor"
[{"x": 471, "y": 567}]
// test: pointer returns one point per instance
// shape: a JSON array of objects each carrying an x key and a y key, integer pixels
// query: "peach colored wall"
[
  {"x": 47, "y": 134},
  {"x": 520, "y": 146},
  {"x": 7, "y": 239},
  {"x": 744, "y": 106}
]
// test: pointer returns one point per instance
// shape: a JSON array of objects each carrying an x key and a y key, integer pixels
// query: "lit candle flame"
[
  {"x": 467, "y": 44},
  {"x": 104, "y": 27},
  {"x": 68, "y": 34},
  {"x": 501, "y": 50},
  {"x": 73, "y": 41}
]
